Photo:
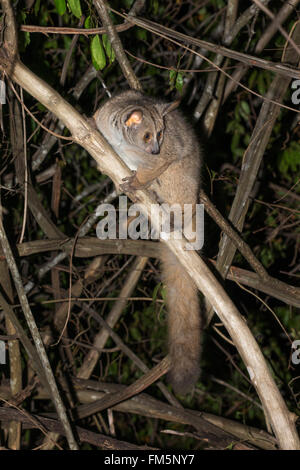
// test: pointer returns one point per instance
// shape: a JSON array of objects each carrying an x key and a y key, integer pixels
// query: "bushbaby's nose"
[{"x": 155, "y": 148}]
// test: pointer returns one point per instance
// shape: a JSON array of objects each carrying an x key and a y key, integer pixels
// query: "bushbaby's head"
[{"x": 144, "y": 126}]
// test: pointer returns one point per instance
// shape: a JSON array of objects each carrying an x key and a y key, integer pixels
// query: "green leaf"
[
  {"x": 163, "y": 293},
  {"x": 37, "y": 7},
  {"x": 252, "y": 78},
  {"x": 27, "y": 38},
  {"x": 141, "y": 34},
  {"x": 289, "y": 160},
  {"x": 108, "y": 49},
  {"x": 261, "y": 84},
  {"x": 88, "y": 23},
  {"x": 176, "y": 80},
  {"x": 155, "y": 291},
  {"x": 245, "y": 107},
  {"x": 244, "y": 110},
  {"x": 60, "y": 6},
  {"x": 172, "y": 76},
  {"x": 128, "y": 3},
  {"x": 267, "y": 257},
  {"x": 235, "y": 142},
  {"x": 75, "y": 8},
  {"x": 67, "y": 41},
  {"x": 98, "y": 54},
  {"x": 135, "y": 333},
  {"x": 230, "y": 127},
  {"x": 155, "y": 6},
  {"x": 50, "y": 44},
  {"x": 179, "y": 82}
]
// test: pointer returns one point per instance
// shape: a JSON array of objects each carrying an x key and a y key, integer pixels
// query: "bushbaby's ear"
[
  {"x": 134, "y": 119},
  {"x": 166, "y": 108}
]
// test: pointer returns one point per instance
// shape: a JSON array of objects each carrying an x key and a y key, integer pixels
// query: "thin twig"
[
  {"x": 73, "y": 31},
  {"x": 25, "y": 172}
]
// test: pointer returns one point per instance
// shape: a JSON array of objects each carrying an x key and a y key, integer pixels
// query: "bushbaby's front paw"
[{"x": 130, "y": 185}]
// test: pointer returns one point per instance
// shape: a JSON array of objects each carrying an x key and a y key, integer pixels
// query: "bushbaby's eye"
[
  {"x": 159, "y": 134},
  {"x": 147, "y": 136}
]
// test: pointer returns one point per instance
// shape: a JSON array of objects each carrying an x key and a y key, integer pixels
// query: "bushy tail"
[{"x": 184, "y": 324}]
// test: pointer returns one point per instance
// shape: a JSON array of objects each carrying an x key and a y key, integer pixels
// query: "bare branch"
[{"x": 73, "y": 31}]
